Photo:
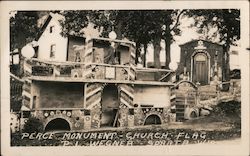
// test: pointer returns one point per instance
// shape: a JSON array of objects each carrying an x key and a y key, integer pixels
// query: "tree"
[
  {"x": 33, "y": 125},
  {"x": 156, "y": 21},
  {"x": 140, "y": 26},
  {"x": 74, "y": 22},
  {"x": 141, "y": 30},
  {"x": 171, "y": 17},
  {"x": 227, "y": 22},
  {"x": 150, "y": 26},
  {"x": 23, "y": 29}
]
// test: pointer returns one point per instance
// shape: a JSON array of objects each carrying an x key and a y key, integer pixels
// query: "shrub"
[
  {"x": 231, "y": 108},
  {"x": 33, "y": 125}
]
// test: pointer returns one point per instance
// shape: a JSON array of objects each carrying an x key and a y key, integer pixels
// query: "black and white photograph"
[{"x": 91, "y": 77}]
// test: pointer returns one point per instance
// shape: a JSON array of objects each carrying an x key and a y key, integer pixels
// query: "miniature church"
[{"x": 201, "y": 62}]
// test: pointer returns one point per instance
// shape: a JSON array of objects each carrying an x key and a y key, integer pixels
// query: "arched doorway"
[
  {"x": 200, "y": 68},
  {"x": 153, "y": 120},
  {"x": 193, "y": 115},
  {"x": 110, "y": 105},
  {"x": 58, "y": 124}
]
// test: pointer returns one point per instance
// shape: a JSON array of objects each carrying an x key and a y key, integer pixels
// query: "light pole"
[
  {"x": 28, "y": 51},
  {"x": 112, "y": 35},
  {"x": 173, "y": 66}
]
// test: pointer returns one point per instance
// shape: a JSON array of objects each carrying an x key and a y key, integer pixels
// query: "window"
[
  {"x": 52, "y": 51},
  {"x": 200, "y": 57},
  {"x": 51, "y": 29}
]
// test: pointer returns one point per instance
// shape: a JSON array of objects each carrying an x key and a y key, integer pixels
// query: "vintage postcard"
[{"x": 125, "y": 78}]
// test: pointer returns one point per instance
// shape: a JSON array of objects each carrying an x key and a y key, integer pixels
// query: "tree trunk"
[
  {"x": 118, "y": 30},
  {"x": 21, "y": 41},
  {"x": 167, "y": 51},
  {"x": 137, "y": 53},
  {"x": 21, "y": 63},
  {"x": 226, "y": 64},
  {"x": 157, "y": 49},
  {"x": 144, "y": 56},
  {"x": 226, "y": 67}
]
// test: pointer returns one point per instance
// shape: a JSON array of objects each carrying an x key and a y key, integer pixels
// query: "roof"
[
  {"x": 47, "y": 20},
  {"x": 199, "y": 40},
  {"x": 24, "y": 108},
  {"x": 45, "y": 24}
]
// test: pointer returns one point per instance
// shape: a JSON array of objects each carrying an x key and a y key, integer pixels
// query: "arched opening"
[
  {"x": 200, "y": 68},
  {"x": 153, "y": 120},
  {"x": 193, "y": 115},
  {"x": 57, "y": 124},
  {"x": 110, "y": 105}
]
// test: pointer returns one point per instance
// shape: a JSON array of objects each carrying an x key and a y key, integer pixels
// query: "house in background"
[
  {"x": 201, "y": 62},
  {"x": 51, "y": 44}
]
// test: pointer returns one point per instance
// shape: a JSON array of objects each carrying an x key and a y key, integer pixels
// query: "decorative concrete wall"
[
  {"x": 156, "y": 96},
  {"x": 14, "y": 122},
  {"x": 123, "y": 115},
  {"x": 75, "y": 118},
  {"x": 141, "y": 115},
  {"x": 75, "y": 45},
  {"x": 102, "y": 49},
  {"x": 95, "y": 116},
  {"x": 89, "y": 114},
  {"x": 184, "y": 96}
]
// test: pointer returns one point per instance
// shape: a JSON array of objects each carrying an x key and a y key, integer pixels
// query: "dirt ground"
[
  {"x": 223, "y": 125},
  {"x": 189, "y": 133}
]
